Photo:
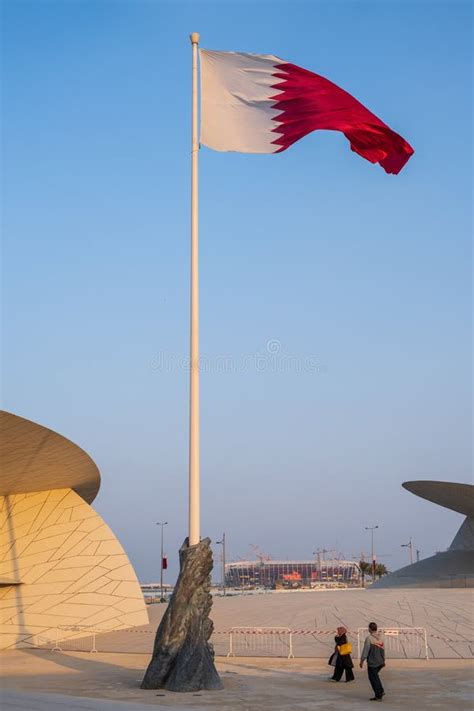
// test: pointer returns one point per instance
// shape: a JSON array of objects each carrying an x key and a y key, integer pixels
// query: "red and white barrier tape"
[{"x": 269, "y": 631}]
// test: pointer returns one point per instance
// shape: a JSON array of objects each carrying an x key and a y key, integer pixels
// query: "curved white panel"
[{"x": 68, "y": 567}]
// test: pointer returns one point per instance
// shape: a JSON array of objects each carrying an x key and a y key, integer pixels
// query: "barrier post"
[
  {"x": 56, "y": 647},
  {"x": 93, "y": 650},
  {"x": 291, "y": 655},
  {"x": 230, "y": 652}
]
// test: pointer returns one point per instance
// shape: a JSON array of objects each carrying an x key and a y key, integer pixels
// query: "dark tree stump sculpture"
[{"x": 183, "y": 657}]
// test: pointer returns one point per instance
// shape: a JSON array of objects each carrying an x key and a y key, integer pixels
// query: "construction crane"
[
  {"x": 322, "y": 551},
  {"x": 259, "y": 553},
  {"x": 366, "y": 556}
]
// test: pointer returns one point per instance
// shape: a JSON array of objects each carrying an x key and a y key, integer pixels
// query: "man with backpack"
[{"x": 374, "y": 653}]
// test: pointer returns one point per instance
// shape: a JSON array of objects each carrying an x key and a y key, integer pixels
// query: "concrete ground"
[
  {"x": 21, "y": 701},
  {"x": 37, "y": 680}
]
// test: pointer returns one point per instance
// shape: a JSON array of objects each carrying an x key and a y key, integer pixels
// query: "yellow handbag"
[{"x": 344, "y": 649}]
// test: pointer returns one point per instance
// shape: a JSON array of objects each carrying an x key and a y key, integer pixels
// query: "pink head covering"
[{"x": 341, "y": 631}]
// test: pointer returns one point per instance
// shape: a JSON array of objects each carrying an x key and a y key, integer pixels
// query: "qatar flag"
[{"x": 253, "y": 103}]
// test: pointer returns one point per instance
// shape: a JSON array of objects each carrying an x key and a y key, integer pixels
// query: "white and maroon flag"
[{"x": 253, "y": 103}]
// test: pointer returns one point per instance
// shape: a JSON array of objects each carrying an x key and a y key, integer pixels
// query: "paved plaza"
[
  {"x": 43, "y": 680},
  {"x": 447, "y": 616}
]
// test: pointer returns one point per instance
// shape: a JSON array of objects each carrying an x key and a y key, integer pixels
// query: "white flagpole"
[{"x": 194, "y": 483}]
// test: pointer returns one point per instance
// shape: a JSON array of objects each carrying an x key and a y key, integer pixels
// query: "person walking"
[
  {"x": 374, "y": 653},
  {"x": 341, "y": 658}
]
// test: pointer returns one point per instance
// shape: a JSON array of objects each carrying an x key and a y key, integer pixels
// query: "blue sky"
[{"x": 335, "y": 299}]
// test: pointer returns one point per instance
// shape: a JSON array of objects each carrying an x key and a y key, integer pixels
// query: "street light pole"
[
  {"x": 162, "y": 524},
  {"x": 372, "y": 529},
  {"x": 410, "y": 546},
  {"x": 222, "y": 543}
]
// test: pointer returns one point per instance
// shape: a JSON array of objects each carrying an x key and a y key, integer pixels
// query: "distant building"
[
  {"x": 291, "y": 574},
  {"x": 453, "y": 568},
  {"x": 152, "y": 591}
]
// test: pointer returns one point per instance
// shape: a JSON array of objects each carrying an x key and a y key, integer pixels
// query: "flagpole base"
[{"x": 183, "y": 657}]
